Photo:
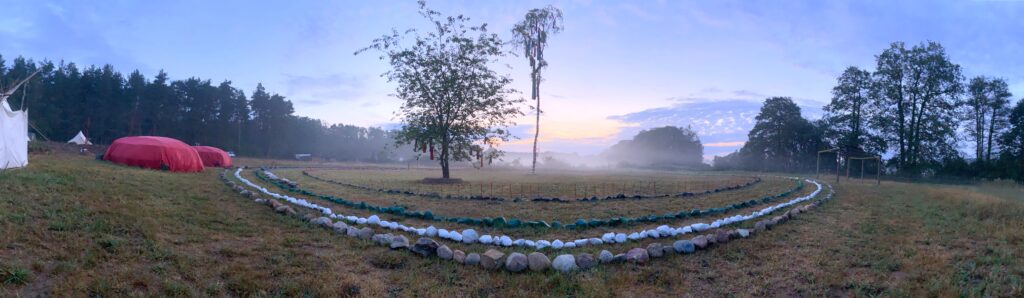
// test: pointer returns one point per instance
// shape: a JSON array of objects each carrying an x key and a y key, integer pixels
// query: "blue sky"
[{"x": 619, "y": 66}]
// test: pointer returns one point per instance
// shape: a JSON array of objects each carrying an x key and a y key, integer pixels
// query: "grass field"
[{"x": 73, "y": 226}]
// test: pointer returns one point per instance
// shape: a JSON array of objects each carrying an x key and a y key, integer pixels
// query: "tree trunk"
[
  {"x": 991, "y": 131},
  {"x": 444, "y": 160},
  {"x": 536, "y": 133}
]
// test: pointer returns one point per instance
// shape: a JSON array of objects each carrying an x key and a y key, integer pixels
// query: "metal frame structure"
[{"x": 878, "y": 164}]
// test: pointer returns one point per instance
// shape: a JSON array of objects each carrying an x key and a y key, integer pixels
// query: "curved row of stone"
[
  {"x": 494, "y": 259},
  {"x": 471, "y": 236},
  {"x": 616, "y": 197},
  {"x": 580, "y": 224}
]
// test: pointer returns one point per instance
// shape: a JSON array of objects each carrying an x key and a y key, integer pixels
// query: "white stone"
[
  {"x": 595, "y": 241},
  {"x": 634, "y": 236},
  {"x": 361, "y": 221},
  {"x": 486, "y": 239},
  {"x": 431, "y": 231},
  {"x": 564, "y": 263},
  {"x": 664, "y": 230},
  {"x": 580, "y": 242},
  {"x": 557, "y": 244},
  {"x": 570, "y": 245},
  {"x": 373, "y": 219},
  {"x": 506, "y": 241},
  {"x": 541, "y": 244},
  {"x": 530, "y": 243},
  {"x": 519, "y": 242},
  {"x": 440, "y": 233},
  {"x": 620, "y": 238},
  {"x": 469, "y": 236},
  {"x": 608, "y": 237}
]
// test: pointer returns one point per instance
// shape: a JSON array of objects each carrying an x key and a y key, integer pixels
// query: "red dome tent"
[
  {"x": 213, "y": 156},
  {"x": 154, "y": 153}
]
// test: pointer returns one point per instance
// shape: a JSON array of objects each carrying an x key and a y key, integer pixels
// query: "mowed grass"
[
  {"x": 72, "y": 226},
  {"x": 566, "y": 213},
  {"x": 519, "y": 183}
]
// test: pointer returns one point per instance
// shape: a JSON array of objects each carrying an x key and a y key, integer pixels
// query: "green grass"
[{"x": 73, "y": 226}]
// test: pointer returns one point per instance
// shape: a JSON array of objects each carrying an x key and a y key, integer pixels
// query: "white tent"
[
  {"x": 80, "y": 139},
  {"x": 13, "y": 137}
]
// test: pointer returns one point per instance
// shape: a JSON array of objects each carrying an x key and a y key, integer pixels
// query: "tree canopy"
[
  {"x": 667, "y": 146},
  {"x": 916, "y": 96},
  {"x": 451, "y": 96},
  {"x": 105, "y": 105}
]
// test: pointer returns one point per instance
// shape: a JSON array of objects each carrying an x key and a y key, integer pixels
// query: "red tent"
[
  {"x": 213, "y": 156},
  {"x": 154, "y": 153}
]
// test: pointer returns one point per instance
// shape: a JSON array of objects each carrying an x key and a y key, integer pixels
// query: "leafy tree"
[
  {"x": 663, "y": 146},
  {"x": 846, "y": 117},
  {"x": 781, "y": 140},
  {"x": 532, "y": 34},
  {"x": 1012, "y": 143},
  {"x": 451, "y": 96},
  {"x": 987, "y": 109},
  {"x": 916, "y": 95}
]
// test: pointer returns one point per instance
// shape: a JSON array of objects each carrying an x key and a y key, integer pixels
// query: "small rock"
[
  {"x": 399, "y": 242},
  {"x": 352, "y": 232},
  {"x": 538, "y": 261},
  {"x": 761, "y": 226},
  {"x": 564, "y": 263},
  {"x": 712, "y": 240},
  {"x": 382, "y": 239},
  {"x": 322, "y": 221},
  {"x": 469, "y": 236},
  {"x": 492, "y": 259},
  {"x": 637, "y": 255},
  {"x": 744, "y": 233},
  {"x": 444, "y": 252},
  {"x": 308, "y": 217},
  {"x": 365, "y": 233},
  {"x": 700, "y": 242},
  {"x": 340, "y": 226},
  {"x": 619, "y": 258},
  {"x": 459, "y": 256},
  {"x": 585, "y": 261},
  {"x": 683, "y": 246},
  {"x": 425, "y": 247},
  {"x": 516, "y": 262},
  {"x": 605, "y": 257},
  {"x": 655, "y": 250},
  {"x": 721, "y": 236},
  {"x": 472, "y": 258}
]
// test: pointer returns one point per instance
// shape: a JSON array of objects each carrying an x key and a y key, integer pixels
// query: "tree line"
[
  {"x": 915, "y": 108},
  {"x": 105, "y": 104}
]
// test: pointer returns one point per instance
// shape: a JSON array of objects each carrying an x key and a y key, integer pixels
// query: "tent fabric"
[
  {"x": 13, "y": 137},
  {"x": 154, "y": 153},
  {"x": 80, "y": 139},
  {"x": 213, "y": 156}
]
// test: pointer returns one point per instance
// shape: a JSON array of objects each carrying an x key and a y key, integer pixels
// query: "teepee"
[
  {"x": 80, "y": 139},
  {"x": 13, "y": 131}
]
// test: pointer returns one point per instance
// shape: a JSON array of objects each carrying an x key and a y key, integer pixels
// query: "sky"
[{"x": 618, "y": 67}]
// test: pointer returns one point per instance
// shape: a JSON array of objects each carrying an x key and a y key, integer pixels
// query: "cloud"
[{"x": 721, "y": 118}]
